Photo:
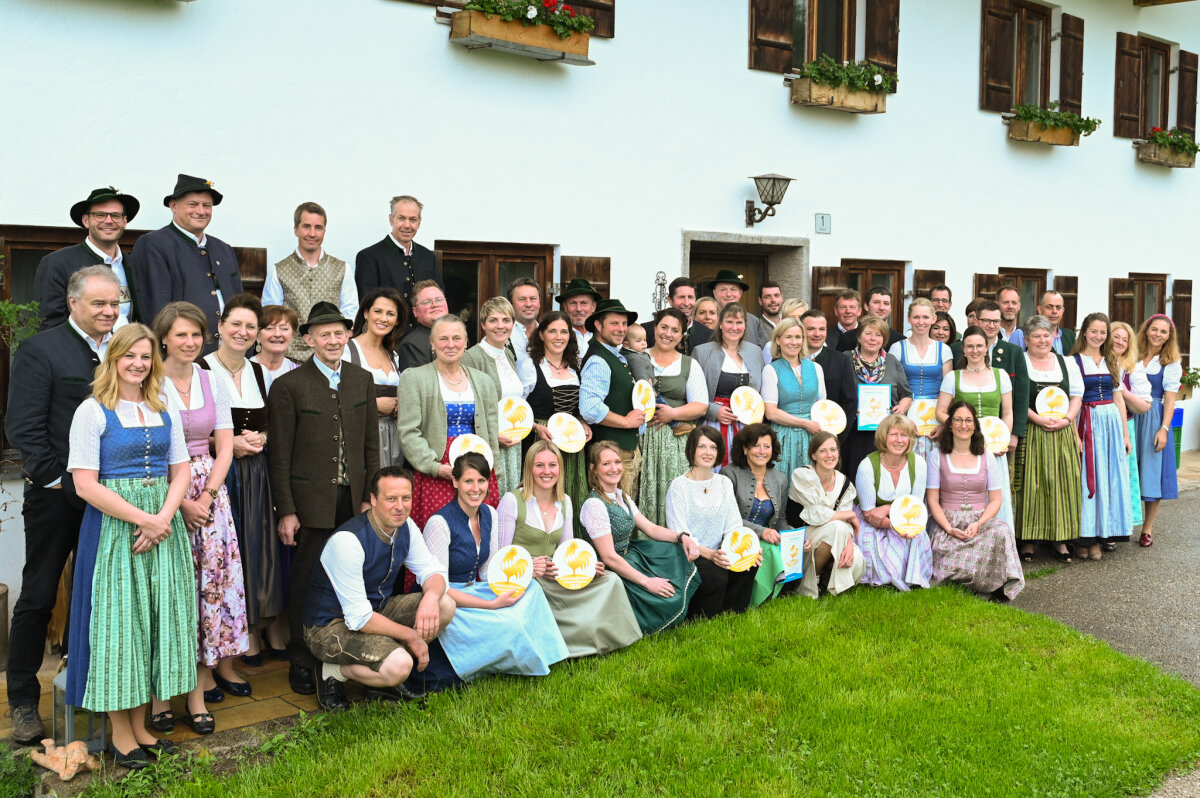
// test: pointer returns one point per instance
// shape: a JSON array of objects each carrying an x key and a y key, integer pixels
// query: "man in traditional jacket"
[
  {"x": 578, "y": 300},
  {"x": 309, "y": 275},
  {"x": 397, "y": 260},
  {"x": 181, "y": 262},
  {"x": 104, "y": 214}
]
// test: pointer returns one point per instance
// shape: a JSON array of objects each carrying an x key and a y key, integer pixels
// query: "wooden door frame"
[
  {"x": 490, "y": 253},
  {"x": 896, "y": 267}
]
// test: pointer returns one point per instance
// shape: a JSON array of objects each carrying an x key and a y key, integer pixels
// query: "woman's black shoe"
[
  {"x": 202, "y": 723},
  {"x": 253, "y": 660},
  {"x": 136, "y": 759},
  {"x": 161, "y": 748},
  {"x": 240, "y": 689},
  {"x": 214, "y": 696},
  {"x": 163, "y": 722}
]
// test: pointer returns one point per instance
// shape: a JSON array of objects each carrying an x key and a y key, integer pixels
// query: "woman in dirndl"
[
  {"x": 133, "y": 605},
  {"x": 442, "y": 400},
  {"x": 381, "y": 319},
  {"x": 1125, "y": 350},
  {"x": 1047, "y": 483},
  {"x": 490, "y": 633},
  {"x": 926, "y": 362},
  {"x": 554, "y": 353},
  {"x": 760, "y": 489},
  {"x": 203, "y": 407},
  {"x": 682, "y": 398},
  {"x": 656, "y": 566},
  {"x": 594, "y": 619},
  {"x": 821, "y": 498},
  {"x": 1157, "y": 377},
  {"x": 971, "y": 545},
  {"x": 791, "y": 383},
  {"x": 1105, "y": 518},
  {"x": 729, "y": 362},
  {"x": 513, "y": 377}
]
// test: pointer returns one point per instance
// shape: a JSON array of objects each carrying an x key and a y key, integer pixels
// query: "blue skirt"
[
  {"x": 1135, "y": 483},
  {"x": 522, "y": 639},
  {"x": 1156, "y": 469},
  {"x": 1106, "y": 515}
]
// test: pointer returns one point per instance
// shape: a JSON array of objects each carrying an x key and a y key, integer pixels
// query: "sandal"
[
  {"x": 202, "y": 723},
  {"x": 163, "y": 721},
  {"x": 1063, "y": 556},
  {"x": 1027, "y": 556},
  {"x": 1147, "y": 540}
]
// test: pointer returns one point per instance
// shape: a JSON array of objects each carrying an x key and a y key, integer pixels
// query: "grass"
[{"x": 874, "y": 693}]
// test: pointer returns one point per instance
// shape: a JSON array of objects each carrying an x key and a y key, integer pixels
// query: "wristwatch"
[{"x": 212, "y": 492}]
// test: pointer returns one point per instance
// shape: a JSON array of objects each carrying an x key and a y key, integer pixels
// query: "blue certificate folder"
[
  {"x": 874, "y": 404},
  {"x": 791, "y": 550}
]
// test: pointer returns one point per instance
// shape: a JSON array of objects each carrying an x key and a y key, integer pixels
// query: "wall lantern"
[{"x": 771, "y": 189}]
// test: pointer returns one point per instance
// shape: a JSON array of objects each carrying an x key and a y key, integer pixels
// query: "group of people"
[{"x": 242, "y": 478}]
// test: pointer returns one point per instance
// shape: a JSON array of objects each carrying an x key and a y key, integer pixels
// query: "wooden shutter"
[
  {"x": 1069, "y": 288},
  {"x": 1127, "y": 92},
  {"x": 602, "y": 12},
  {"x": 252, "y": 264},
  {"x": 925, "y": 279},
  {"x": 827, "y": 283},
  {"x": 986, "y": 286},
  {"x": 771, "y": 39},
  {"x": 996, "y": 54},
  {"x": 883, "y": 34},
  {"x": 596, "y": 271},
  {"x": 1120, "y": 299},
  {"x": 1181, "y": 314},
  {"x": 1070, "y": 75},
  {"x": 1186, "y": 117}
]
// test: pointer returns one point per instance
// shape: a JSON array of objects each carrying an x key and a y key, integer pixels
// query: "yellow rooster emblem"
[
  {"x": 911, "y": 513},
  {"x": 515, "y": 569},
  {"x": 1055, "y": 402},
  {"x": 793, "y": 556},
  {"x": 927, "y": 414},
  {"x": 577, "y": 558},
  {"x": 517, "y": 414},
  {"x": 740, "y": 542}
]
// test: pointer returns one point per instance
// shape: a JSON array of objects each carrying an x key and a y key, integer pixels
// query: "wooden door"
[
  {"x": 476, "y": 271},
  {"x": 1181, "y": 314},
  {"x": 1069, "y": 288},
  {"x": 860, "y": 275},
  {"x": 828, "y": 282},
  {"x": 597, "y": 271}
]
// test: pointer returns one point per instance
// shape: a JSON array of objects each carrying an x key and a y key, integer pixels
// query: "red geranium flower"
[
  {"x": 569, "y": 10},
  {"x": 550, "y": 4},
  {"x": 1156, "y": 130}
]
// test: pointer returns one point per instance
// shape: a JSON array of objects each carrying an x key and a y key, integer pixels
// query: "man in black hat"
[
  {"x": 397, "y": 260},
  {"x": 180, "y": 262},
  {"x": 104, "y": 214},
  {"x": 606, "y": 387},
  {"x": 324, "y": 437},
  {"x": 578, "y": 301},
  {"x": 728, "y": 287}
]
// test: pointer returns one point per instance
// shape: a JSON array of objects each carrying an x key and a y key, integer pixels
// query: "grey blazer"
[
  {"x": 710, "y": 356},
  {"x": 776, "y": 483},
  {"x": 421, "y": 415}
]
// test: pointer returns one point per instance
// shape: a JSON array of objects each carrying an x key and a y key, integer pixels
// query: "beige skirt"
[{"x": 835, "y": 534}]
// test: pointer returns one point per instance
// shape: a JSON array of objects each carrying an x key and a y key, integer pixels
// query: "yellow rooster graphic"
[
  {"x": 514, "y": 569},
  {"x": 911, "y": 513},
  {"x": 1055, "y": 402},
  {"x": 830, "y": 416},
  {"x": 928, "y": 414},
  {"x": 793, "y": 556},
  {"x": 516, "y": 414},
  {"x": 577, "y": 558},
  {"x": 740, "y": 542}
]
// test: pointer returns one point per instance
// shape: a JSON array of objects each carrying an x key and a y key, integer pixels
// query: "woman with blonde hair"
[
  {"x": 1156, "y": 378},
  {"x": 873, "y": 366},
  {"x": 792, "y": 309},
  {"x": 1124, "y": 348},
  {"x": 791, "y": 383},
  {"x": 925, "y": 360},
  {"x": 133, "y": 608},
  {"x": 594, "y": 619}
]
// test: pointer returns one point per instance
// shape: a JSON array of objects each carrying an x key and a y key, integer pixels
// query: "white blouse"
[
  {"x": 915, "y": 358},
  {"x": 1054, "y": 374},
  {"x": 572, "y": 377},
  {"x": 1172, "y": 377},
  {"x": 437, "y": 538},
  {"x": 248, "y": 397},
  {"x": 705, "y": 510},
  {"x": 533, "y": 517},
  {"x": 511, "y": 382},
  {"x": 729, "y": 366},
  {"x": 219, "y": 394},
  {"x": 864, "y": 484},
  {"x": 770, "y": 382},
  {"x": 452, "y": 397},
  {"x": 594, "y": 516},
  {"x": 818, "y": 503},
  {"x": 696, "y": 389},
  {"x": 90, "y": 422},
  {"x": 270, "y": 375},
  {"x": 379, "y": 376}
]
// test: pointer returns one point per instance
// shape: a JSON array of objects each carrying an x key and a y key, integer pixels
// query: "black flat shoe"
[
  {"x": 240, "y": 689},
  {"x": 1063, "y": 556},
  {"x": 301, "y": 680},
  {"x": 277, "y": 653},
  {"x": 394, "y": 693},
  {"x": 1108, "y": 546},
  {"x": 136, "y": 759},
  {"x": 330, "y": 695},
  {"x": 163, "y": 722},
  {"x": 161, "y": 748},
  {"x": 202, "y": 723},
  {"x": 253, "y": 660},
  {"x": 214, "y": 696}
]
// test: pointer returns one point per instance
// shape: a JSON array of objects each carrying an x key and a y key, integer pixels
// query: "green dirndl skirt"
[
  {"x": 765, "y": 586},
  {"x": 662, "y": 460},
  {"x": 667, "y": 561},
  {"x": 1047, "y": 486}
]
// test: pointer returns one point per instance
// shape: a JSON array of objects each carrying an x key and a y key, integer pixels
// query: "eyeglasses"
[
  {"x": 428, "y": 303},
  {"x": 987, "y": 322},
  {"x": 963, "y": 422},
  {"x": 97, "y": 216}
]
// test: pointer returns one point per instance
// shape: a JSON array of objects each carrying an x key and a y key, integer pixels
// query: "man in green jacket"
[{"x": 1005, "y": 356}]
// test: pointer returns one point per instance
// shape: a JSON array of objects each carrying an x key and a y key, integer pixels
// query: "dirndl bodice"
[
  {"x": 460, "y": 419},
  {"x": 761, "y": 511},
  {"x": 621, "y": 523},
  {"x": 728, "y": 382},
  {"x": 963, "y": 491},
  {"x": 796, "y": 397},
  {"x": 986, "y": 403},
  {"x": 134, "y": 452},
  {"x": 925, "y": 380},
  {"x": 198, "y": 424},
  {"x": 465, "y": 559}
]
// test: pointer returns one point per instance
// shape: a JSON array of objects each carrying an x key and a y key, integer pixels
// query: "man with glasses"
[
  {"x": 181, "y": 262},
  {"x": 429, "y": 304},
  {"x": 104, "y": 214},
  {"x": 1053, "y": 308},
  {"x": 397, "y": 260},
  {"x": 942, "y": 297},
  {"x": 1004, "y": 355}
]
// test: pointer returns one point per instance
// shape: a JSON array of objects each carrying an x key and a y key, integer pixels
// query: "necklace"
[
  {"x": 979, "y": 370},
  {"x": 692, "y": 477},
  {"x": 232, "y": 372},
  {"x": 555, "y": 368},
  {"x": 453, "y": 383}
]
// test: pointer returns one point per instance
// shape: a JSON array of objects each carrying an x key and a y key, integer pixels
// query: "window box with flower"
[
  {"x": 1172, "y": 148},
  {"x": 855, "y": 88},
  {"x": 1048, "y": 125},
  {"x": 545, "y": 30}
]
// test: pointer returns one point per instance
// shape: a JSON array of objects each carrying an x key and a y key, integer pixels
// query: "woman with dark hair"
[
  {"x": 682, "y": 398},
  {"x": 554, "y": 353},
  {"x": 943, "y": 328},
  {"x": 822, "y": 498},
  {"x": 263, "y": 560},
  {"x": 490, "y": 633},
  {"x": 873, "y": 366},
  {"x": 760, "y": 489},
  {"x": 971, "y": 545},
  {"x": 656, "y": 567},
  {"x": 700, "y": 503},
  {"x": 381, "y": 319},
  {"x": 729, "y": 362},
  {"x": 1106, "y": 517},
  {"x": 274, "y": 339}
]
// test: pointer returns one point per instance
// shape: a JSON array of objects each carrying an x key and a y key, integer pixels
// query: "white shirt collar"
[
  {"x": 108, "y": 259},
  {"x": 199, "y": 241},
  {"x": 100, "y": 348},
  {"x": 406, "y": 250},
  {"x": 300, "y": 255}
]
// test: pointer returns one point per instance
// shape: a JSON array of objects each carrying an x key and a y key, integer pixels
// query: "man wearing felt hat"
[
  {"x": 606, "y": 386},
  {"x": 728, "y": 287},
  {"x": 181, "y": 262},
  {"x": 324, "y": 433},
  {"x": 578, "y": 300},
  {"x": 104, "y": 215}
]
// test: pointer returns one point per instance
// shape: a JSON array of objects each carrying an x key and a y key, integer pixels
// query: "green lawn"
[{"x": 874, "y": 693}]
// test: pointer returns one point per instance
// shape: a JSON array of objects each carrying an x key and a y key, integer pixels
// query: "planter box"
[
  {"x": 805, "y": 92},
  {"x": 475, "y": 31},
  {"x": 1149, "y": 152},
  {"x": 1019, "y": 130}
]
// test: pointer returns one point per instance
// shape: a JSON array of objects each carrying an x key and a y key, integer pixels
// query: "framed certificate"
[
  {"x": 791, "y": 549},
  {"x": 874, "y": 404}
]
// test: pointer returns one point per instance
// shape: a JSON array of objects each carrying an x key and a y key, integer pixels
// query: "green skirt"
[
  {"x": 765, "y": 586},
  {"x": 667, "y": 561},
  {"x": 509, "y": 464},
  {"x": 1047, "y": 486},
  {"x": 662, "y": 460}
]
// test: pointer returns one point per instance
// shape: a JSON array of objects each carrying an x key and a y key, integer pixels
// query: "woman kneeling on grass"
[
  {"x": 489, "y": 633},
  {"x": 971, "y": 546},
  {"x": 594, "y": 619},
  {"x": 657, "y": 569},
  {"x": 822, "y": 498}
]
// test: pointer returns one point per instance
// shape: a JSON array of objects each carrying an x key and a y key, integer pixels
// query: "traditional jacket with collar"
[
  {"x": 53, "y": 274},
  {"x": 383, "y": 263}
]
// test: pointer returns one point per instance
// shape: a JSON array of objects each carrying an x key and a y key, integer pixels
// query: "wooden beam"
[{"x": 1144, "y": 3}]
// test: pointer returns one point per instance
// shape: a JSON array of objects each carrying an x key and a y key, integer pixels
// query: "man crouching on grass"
[{"x": 352, "y": 622}]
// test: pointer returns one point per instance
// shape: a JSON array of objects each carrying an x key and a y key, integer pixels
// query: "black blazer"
[
  {"x": 53, "y": 274},
  {"x": 840, "y": 385},
  {"x": 382, "y": 263},
  {"x": 414, "y": 348},
  {"x": 849, "y": 340},
  {"x": 51, "y": 376},
  {"x": 167, "y": 266}
]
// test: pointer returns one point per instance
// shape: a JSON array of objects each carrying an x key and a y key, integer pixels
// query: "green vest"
[
  {"x": 873, "y": 457},
  {"x": 619, "y": 398}
]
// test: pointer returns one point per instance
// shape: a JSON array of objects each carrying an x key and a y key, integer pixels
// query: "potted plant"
[
  {"x": 1188, "y": 383},
  {"x": 1172, "y": 148},
  {"x": 856, "y": 88},
  {"x": 545, "y": 30},
  {"x": 1048, "y": 125}
]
